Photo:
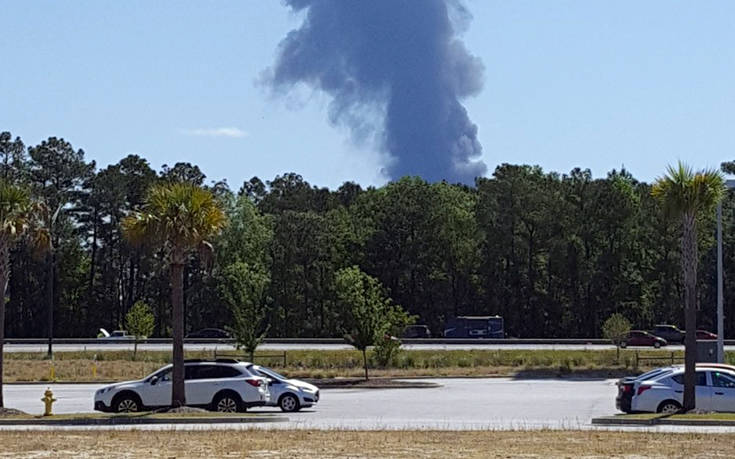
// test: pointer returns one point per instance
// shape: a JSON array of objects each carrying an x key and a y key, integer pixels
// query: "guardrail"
[{"x": 435, "y": 341}]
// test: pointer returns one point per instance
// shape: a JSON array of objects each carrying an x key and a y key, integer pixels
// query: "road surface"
[
  {"x": 313, "y": 346},
  {"x": 502, "y": 403},
  {"x": 460, "y": 404}
]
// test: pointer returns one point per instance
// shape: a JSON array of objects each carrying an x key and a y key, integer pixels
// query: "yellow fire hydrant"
[{"x": 48, "y": 399}]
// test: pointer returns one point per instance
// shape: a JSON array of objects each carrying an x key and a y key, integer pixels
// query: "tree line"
[{"x": 554, "y": 254}]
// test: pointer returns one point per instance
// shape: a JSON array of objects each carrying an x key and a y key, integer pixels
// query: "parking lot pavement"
[{"x": 501, "y": 403}]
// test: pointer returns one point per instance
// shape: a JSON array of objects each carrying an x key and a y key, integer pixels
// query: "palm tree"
[
  {"x": 16, "y": 217},
  {"x": 685, "y": 194},
  {"x": 181, "y": 218}
]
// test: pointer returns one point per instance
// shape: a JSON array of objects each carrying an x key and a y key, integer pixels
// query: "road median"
[{"x": 653, "y": 419}]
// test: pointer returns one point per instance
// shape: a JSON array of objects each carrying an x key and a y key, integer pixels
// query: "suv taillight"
[
  {"x": 253, "y": 382},
  {"x": 627, "y": 388}
]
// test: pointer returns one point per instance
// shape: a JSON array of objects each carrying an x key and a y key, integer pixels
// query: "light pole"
[{"x": 730, "y": 184}]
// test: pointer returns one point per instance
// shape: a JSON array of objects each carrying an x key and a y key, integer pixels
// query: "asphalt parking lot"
[{"x": 501, "y": 403}]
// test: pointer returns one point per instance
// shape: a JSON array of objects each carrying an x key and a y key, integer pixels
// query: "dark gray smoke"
[{"x": 398, "y": 58}]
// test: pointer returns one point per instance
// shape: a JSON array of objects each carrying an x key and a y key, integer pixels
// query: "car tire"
[
  {"x": 656, "y": 344},
  {"x": 127, "y": 402},
  {"x": 623, "y": 344},
  {"x": 669, "y": 407},
  {"x": 289, "y": 403},
  {"x": 227, "y": 402}
]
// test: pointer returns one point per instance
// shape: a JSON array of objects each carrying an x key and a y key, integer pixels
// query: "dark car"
[
  {"x": 670, "y": 333},
  {"x": 642, "y": 338},
  {"x": 705, "y": 335},
  {"x": 417, "y": 331},
  {"x": 209, "y": 333}
]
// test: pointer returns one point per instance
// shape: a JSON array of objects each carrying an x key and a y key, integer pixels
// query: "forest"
[{"x": 555, "y": 254}]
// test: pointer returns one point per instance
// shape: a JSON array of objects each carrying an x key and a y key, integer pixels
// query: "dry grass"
[
  {"x": 362, "y": 444},
  {"x": 118, "y": 365}
]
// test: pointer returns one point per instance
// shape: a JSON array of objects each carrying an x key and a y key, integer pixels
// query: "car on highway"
[
  {"x": 705, "y": 335},
  {"x": 116, "y": 335},
  {"x": 209, "y": 333},
  {"x": 224, "y": 385},
  {"x": 671, "y": 333},
  {"x": 288, "y": 394},
  {"x": 629, "y": 388},
  {"x": 642, "y": 338},
  {"x": 416, "y": 331}
]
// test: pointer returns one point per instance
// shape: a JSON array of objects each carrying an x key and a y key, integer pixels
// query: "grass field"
[
  {"x": 118, "y": 365},
  {"x": 362, "y": 444}
]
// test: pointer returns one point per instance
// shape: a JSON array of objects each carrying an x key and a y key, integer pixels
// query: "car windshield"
[{"x": 270, "y": 373}]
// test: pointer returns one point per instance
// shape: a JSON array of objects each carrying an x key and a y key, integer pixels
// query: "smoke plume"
[{"x": 395, "y": 68}]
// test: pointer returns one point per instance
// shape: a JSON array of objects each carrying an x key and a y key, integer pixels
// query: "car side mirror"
[{"x": 154, "y": 380}]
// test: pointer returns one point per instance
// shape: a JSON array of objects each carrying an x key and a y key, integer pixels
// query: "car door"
[
  {"x": 157, "y": 392},
  {"x": 703, "y": 392},
  {"x": 723, "y": 392},
  {"x": 196, "y": 380}
]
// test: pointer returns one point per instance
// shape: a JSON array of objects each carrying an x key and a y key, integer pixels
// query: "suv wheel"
[
  {"x": 289, "y": 403},
  {"x": 656, "y": 344},
  {"x": 126, "y": 403},
  {"x": 623, "y": 344},
  {"x": 226, "y": 403}
]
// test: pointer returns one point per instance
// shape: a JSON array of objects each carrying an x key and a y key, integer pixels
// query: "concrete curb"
[
  {"x": 140, "y": 421},
  {"x": 662, "y": 421}
]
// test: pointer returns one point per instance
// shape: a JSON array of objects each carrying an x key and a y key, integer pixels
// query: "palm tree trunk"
[
  {"x": 50, "y": 272},
  {"x": 689, "y": 267},
  {"x": 364, "y": 360},
  {"x": 178, "y": 394},
  {"x": 4, "y": 277}
]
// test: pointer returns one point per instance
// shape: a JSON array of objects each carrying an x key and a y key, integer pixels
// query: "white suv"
[{"x": 220, "y": 385}]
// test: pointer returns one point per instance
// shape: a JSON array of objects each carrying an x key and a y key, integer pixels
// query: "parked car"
[
  {"x": 223, "y": 385},
  {"x": 288, "y": 394},
  {"x": 670, "y": 333},
  {"x": 116, "y": 335},
  {"x": 209, "y": 333},
  {"x": 626, "y": 387},
  {"x": 629, "y": 385},
  {"x": 417, "y": 331},
  {"x": 705, "y": 335},
  {"x": 642, "y": 338},
  {"x": 715, "y": 391}
]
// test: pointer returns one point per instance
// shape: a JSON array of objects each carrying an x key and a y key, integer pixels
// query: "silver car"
[
  {"x": 664, "y": 392},
  {"x": 288, "y": 394}
]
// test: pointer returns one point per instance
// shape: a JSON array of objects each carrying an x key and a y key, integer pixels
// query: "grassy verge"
[
  {"x": 148, "y": 415},
  {"x": 118, "y": 365},
  {"x": 361, "y": 444}
]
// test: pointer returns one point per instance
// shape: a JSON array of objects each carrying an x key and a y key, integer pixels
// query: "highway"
[{"x": 315, "y": 346}]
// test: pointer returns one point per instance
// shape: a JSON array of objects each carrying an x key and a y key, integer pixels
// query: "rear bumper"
[{"x": 623, "y": 404}]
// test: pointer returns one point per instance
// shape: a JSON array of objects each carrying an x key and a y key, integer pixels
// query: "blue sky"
[{"x": 595, "y": 84}]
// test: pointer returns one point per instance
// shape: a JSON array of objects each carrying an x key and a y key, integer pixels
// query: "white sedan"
[
  {"x": 664, "y": 392},
  {"x": 288, "y": 394}
]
